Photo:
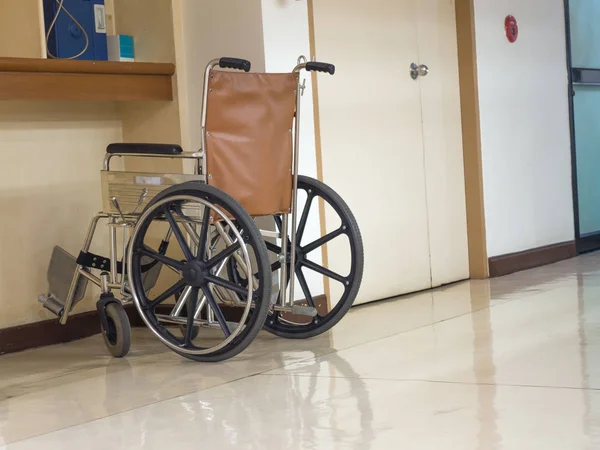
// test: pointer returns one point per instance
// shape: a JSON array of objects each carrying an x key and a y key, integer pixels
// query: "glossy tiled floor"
[{"x": 509, "y": 364}]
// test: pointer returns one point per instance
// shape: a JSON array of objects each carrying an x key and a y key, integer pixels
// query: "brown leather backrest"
[{"x": 248, "y": 138}]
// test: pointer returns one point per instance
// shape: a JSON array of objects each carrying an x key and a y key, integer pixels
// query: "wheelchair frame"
[
  {"x": 135, "y": 200},
  {"x": 112, "y": 278}
]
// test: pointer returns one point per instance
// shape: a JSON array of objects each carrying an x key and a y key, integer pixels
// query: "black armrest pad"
[{"x": 150, "y": 149}]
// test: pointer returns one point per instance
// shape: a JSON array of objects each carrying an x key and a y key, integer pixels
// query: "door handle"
[{"x": 417, "y": 71}]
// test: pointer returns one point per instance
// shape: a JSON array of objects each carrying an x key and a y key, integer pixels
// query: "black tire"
[
  {"x": 320, "y": 324},
  {"x": 252, "y": 238},
  {"x": 195, "y": 332},
  {"x": 118, "y": 336},
  {"x": 183, "y": 328}
]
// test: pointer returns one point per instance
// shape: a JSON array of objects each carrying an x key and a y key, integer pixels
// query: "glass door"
[{"x": 583, "y": 19}]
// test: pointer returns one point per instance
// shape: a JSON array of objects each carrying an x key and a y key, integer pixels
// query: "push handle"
[
  {"x": 320, "y": 67},
  {"x": 235, "y": 63}
]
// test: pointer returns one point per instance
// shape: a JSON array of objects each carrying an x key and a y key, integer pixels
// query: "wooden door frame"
[
  {"x": 469, "y": 98},
  {"x": 471, "y": 133}
]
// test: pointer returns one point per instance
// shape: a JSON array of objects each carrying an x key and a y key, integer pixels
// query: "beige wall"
[
  {"x": 51, "y": 167},
  {"x": 524, "y": 117},
  {"x": 150, "y": 22},
  {"x": 51, "y": 155},
  {"x": 50, "y": 160},
  {"x": 212, "y": 29},
  {"x": 22, "y": 29}
]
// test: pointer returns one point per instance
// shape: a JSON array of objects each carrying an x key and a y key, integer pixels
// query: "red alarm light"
[{"x": 512, "y": 29}]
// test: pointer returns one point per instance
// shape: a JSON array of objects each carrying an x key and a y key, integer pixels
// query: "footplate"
[
  {"x": 304, "y": 310},
  {"x": 150, "y": 277},
  {"x": 299, "y": 310},
  {"x": 61, "y": 271}
]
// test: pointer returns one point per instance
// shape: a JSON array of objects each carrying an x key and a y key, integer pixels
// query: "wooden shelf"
[{"x": 48, "y": 79}]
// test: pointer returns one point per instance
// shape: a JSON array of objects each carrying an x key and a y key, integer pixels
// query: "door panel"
[
  {"x": 442, "y": 135},
  {"x": 585, "y": 54},
  {"x": 371, "y": 137},
  {"x": 585, "y": 33},
  {"x": 586, "y": 108}
]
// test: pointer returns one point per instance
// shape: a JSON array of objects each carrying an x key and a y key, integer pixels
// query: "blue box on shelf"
[{"x": 68, "y": 40}]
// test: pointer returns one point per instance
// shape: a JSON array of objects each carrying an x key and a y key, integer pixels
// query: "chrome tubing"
[
  {"x": 93, "y": 278},
  {"x": 124, "y": 260},
  {"x": 184, "y": 155},
  {"x": 295, "y": 191},
  {"x": 114, "y": 276},
  {"x": 301, "y": 64},
  {"x": 86, "y": 246},
  {"x": 213, "y": 63},
  {"x": 283, "y": 260},
  {"x": 181, "y": 301},
  {"x": 247, "y": 270}
]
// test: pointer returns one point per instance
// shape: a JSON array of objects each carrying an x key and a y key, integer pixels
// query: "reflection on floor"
[{"x": 513, "y": 363}]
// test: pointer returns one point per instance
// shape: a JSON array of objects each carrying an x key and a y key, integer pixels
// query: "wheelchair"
[{"x": 202, "y": 274}]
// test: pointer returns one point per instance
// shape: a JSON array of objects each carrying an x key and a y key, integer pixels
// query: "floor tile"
[{"x": 288, "y": 412}]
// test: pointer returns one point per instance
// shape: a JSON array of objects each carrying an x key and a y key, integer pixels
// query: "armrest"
[{"x": 149, "y": 149}]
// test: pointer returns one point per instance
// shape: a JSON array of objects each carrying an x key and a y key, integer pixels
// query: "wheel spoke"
[
  {"x": 304, "y": 286},
  {"x": 187, "y": 221},
  {"x": 273, "y": 247},
  {"x": 204, "y": 233},
  {"x": 167, "y": 294},
  {"x": 227, "y": 285},
  {"x": 192, "y": 302},
  {"x": 323, "y": 271},
  {"x": 177, "y": 232},
  {"x": 212, "y": 303},
  {"x": 323, "y": 240},
  {"x": 304, "y": 218},
  {"x": 275, "y": 266},
  {"x": 230, "y": 250},
  {"x": 162, "y": 258},
  {"x": 278, "y": 222}
]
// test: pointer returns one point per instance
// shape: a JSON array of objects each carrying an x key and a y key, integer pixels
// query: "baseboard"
[
  {"x": 51, "y": 332},
  {"x": 80, "y": 326},
  {"x": 588, "y": 243},
  {"x": 536, "y": 257}
]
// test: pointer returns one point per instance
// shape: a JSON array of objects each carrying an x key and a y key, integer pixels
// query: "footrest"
[
  {"x": 304, "y": 310},
  {"x": 60, "y": 275},
  {"x": 52, "y": 305}
]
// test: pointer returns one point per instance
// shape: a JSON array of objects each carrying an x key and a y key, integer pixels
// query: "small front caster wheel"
[{"x": 117, "y": 336}]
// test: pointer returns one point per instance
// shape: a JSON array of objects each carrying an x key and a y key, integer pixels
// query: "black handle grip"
[
  {"x": 235, "y": 63},
  {"x": 320, "y": 67}
]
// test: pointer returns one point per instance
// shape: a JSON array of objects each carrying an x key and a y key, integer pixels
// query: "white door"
[
  {"x": 371, "y": 138},
  {"x": 442, "y": 133},
  {"x": 391, "y": 145}
]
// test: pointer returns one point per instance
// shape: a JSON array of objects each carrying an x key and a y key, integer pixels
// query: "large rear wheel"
[
  {"x": 192, "y": 214},
  {"x": 329, "y": 262}
]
